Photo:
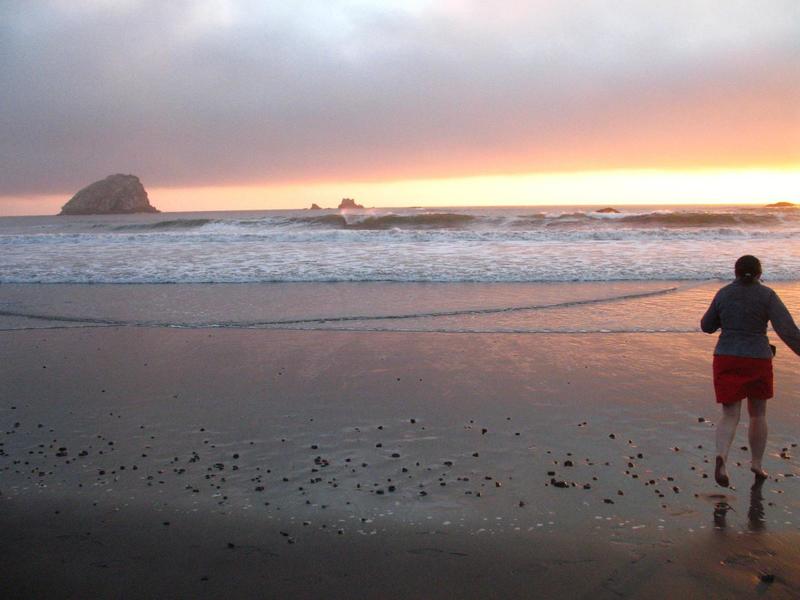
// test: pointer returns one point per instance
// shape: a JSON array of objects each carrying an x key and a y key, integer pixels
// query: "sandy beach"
[{"x": 151, "y": 461}]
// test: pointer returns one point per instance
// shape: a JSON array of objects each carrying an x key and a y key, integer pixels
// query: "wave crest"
[{"x": 170, "y": 224}]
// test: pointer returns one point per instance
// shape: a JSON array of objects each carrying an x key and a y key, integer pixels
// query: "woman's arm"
[
  {"x": 710, "y": 321},
  {"x": 783, "y": 324}
]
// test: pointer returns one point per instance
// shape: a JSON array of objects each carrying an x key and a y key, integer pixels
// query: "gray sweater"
[{"x": 742, "y": 311}]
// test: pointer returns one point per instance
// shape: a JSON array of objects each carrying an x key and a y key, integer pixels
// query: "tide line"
[{"x": 340, "y": 319}]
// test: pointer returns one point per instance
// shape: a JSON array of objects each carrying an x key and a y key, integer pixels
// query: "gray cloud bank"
[{"x": 214, "y": 92}]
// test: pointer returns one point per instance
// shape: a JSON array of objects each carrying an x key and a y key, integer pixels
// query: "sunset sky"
[{"x": 238, "y": 104}]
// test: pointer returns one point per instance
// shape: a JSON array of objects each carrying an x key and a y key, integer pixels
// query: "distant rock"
[
  {"x": 781, "y": 205},
  {"x": 349, "y": 203},
  {"x": 315, "y": 206},
  {"x": 115, "y": 195},
  {"x": 608, "y": 210}
]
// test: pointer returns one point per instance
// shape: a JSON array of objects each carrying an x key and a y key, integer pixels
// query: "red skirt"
[{"x": 739, "y": 377}]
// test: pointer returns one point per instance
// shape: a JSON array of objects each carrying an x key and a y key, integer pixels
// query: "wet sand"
[{"x": 161, "y": 462}]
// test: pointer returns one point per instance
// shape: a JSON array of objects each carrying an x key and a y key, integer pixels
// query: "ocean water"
[{"x": 509, "y": 244}]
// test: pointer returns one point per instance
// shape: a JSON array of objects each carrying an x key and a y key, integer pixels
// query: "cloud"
[{"x": 216, "y": 92}]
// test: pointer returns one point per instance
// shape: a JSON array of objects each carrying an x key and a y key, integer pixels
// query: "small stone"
[{"x": 767, "y": 577}]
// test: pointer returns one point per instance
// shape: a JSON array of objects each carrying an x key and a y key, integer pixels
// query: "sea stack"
[
  {"x": 315, "y": 206},
  {"x": 115, "y": 195},
  {"x": 349, "y": 203},
  {"x": 608, "y": 210}
]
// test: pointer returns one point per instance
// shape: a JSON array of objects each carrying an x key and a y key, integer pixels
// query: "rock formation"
[
  {"x": 349, "y": 203},
  {"x": 114, "y": 195},
  {"x": 315, "y": 206},
  {"x": 781, "y": 205},
  {"x": 608, "y": 210}
]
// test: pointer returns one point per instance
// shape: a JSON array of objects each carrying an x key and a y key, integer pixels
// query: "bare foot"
[
  {"x": 759, "y": 473},
  {"x": 720, "y": 475}
]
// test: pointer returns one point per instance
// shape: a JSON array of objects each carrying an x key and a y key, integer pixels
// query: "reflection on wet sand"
[{"x": 755, "y": 514}]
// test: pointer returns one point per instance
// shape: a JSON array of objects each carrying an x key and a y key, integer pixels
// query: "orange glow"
[
  {"x": 617, "y": 187},
  {"x": 607, "y": 187}
]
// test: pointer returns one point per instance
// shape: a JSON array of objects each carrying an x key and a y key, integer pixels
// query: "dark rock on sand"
[
  {"x": 116, "y": 194},
  {"x": 349, "y": 203}
]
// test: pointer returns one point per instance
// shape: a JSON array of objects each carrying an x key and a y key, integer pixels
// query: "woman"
[{"x": 743, "y": 358}]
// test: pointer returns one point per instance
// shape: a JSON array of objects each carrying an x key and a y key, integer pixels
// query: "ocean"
[{"x": 508, "y": 244}]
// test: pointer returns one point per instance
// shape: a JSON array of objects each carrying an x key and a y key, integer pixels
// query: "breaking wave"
[
  {"x": 465, "y": 244},
  {"x": 162, "y": 225}
]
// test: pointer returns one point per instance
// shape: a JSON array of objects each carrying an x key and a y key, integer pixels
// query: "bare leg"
[
  {"x": 726, "y": 430},
  {"x": 757, "y": 435}
]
